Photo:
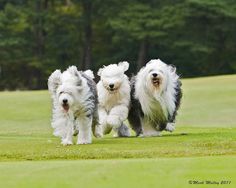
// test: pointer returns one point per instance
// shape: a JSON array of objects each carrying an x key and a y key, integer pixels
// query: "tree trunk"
[
  {"x": 45, "y": 4},
  {"x": 87, "y": 29},
  {"x": 67, "y": 2},
  {"x": 40, "y": 6},
  {"x": 38, "y": 30},
  {"x": 142, "y": 55},
  {"x": 40, "y": 33}
]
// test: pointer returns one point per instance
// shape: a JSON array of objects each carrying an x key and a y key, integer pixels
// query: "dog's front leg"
[
  {"x": 103, "y": 127},
  {"x": 85, "y": 130},
  {"x": 170, "y": 126},
  {"x": 69, "y": 133},
  {"x": 102, "y": 115},
  {"x": 117, "y": 115}
]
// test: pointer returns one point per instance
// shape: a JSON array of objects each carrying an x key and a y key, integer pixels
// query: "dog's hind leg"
[
  {"x": 85, "y": 130},
  {"x": 134, "y": 118},
  {"x": 123, "y": 131}
]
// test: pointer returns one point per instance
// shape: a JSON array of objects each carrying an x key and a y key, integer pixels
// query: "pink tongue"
[{"x": 65, "y": 107}]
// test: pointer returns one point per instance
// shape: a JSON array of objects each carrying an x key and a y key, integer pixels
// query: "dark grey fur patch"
[
  {"x": 162, "y": 126},
  {"x": 178, "y": 98},
  {"x": 92, "y": 99},
  {"x": 76, "y": 132},
  {"x": 92, "y": 87},
  {"x": 79, "y": 82},
  {"x": 55, "y": 86},
  {"x": 135, "y": 112},
  {"x": 123, "y": 131}
]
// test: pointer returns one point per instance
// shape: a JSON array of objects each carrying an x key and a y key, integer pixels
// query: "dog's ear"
[
  {"x": 73, "y": 70},
  {"x": 89, "y": 73},
  {"x": 54, "y": 81},
  {"x": 172, "y": 68},
  {"x": 100, "y": 71},
  {"x": 124, "y": 64}
]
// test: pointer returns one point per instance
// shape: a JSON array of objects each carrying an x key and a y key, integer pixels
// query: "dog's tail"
[{"x": 89, "y": 73}]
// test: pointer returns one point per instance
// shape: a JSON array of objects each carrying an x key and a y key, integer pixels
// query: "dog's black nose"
[
  {"x": 111, "y": 86},
  {"x": 154, "y": 74},
  {"x": 64, "y": 101}
]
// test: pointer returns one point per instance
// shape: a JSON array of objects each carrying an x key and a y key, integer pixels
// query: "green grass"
[
  {"x": 194, "y": 142},
  {"x": 209, "y": 102},
  {"x": 203, "y": 147},
  {"x": 142, "y": 173}
]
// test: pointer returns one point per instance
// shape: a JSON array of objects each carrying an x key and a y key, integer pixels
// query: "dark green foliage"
[{"x": 37, "y": 37}]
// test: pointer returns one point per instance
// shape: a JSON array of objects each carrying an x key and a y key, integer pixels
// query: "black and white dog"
[
  {"x": 74, "y": 98},
  {"x": 155, "y": 98}
]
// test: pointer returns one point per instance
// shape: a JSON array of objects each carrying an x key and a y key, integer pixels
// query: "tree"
[
  {"x": 203, "y": 44},
  {"x": 37, "y": 37},
  {"x": 87, "y": 29},
  {"x": 145, "y": 23}
]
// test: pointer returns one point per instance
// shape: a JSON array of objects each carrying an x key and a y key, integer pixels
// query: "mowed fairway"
[{"x": 203, "y": 147}]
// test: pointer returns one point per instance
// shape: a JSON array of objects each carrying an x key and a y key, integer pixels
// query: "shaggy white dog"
[
  {"x": 113, "y": 99},
  {"x": 156, "y": 94},
  {"x": 74, "y": 99}
]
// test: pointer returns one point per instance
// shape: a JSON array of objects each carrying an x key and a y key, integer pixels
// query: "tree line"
[{"x": 39, "y": 36}]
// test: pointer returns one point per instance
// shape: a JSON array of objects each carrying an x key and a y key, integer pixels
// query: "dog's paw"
[
  {"x": 113, "y": 120},
  {"x": 123, "y": 131},
  {"x": 140, "y": 135},
  {"x": 125, "y": 134},
  {"x": 66, "y": 142},
  {"x": 170, "y": 127},
  {"x": 98, "y": 133},
  {"x": 83, "y": 141}
]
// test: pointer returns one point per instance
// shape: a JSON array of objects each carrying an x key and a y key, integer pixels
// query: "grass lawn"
[
  {"x": 203, "y": 147},
  {"x": 163, "y": 172}
]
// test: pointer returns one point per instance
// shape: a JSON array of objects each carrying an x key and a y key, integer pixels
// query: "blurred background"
[{"x": 39, "y": 36}]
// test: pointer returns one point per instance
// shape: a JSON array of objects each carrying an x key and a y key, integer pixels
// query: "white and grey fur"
[
  {"x": 74, "y": 99},
  {"x": 113, "y": 99},
  {"x": 155, "y": 98}
]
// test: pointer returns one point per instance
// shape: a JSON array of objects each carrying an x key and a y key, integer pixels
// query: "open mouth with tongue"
[
  {"x": 156, "y": 81},
  {"x": 65, "y": 107}
]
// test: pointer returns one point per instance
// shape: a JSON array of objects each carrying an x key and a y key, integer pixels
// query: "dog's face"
[
  {"x": 156, "y": 75},
  {"x": 68, "y": 89},
  {"x": 112, "y": 76},
  {"x": 66, "y": 96}
]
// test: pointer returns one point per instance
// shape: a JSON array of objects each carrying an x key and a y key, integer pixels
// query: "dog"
[
  {"x": 155, "y": 98},
  {"x": 74, "y": 99},
  {"x": 113, "y": 99}
]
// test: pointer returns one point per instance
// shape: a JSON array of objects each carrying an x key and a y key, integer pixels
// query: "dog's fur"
[
  {"x": 74, "y": 100},
  {"x": 155, "y": 98},
  {"x": 113, "y": 99}
]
